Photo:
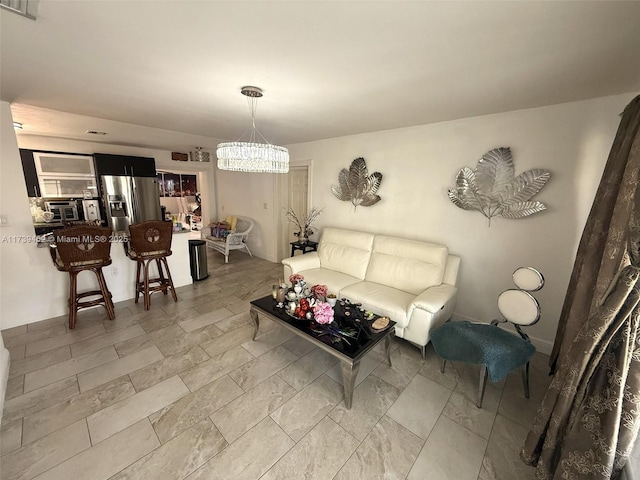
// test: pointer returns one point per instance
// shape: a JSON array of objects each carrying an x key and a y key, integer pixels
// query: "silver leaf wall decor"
[
  {"x": 357, "y": 186},
  {"x": 493, "y": 189}
]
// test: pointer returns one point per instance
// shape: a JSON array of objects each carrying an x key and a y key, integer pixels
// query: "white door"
[{"x": 298, "y": 195}]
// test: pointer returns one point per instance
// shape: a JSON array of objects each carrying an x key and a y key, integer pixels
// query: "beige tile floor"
[{"x": 181, "y": 391}]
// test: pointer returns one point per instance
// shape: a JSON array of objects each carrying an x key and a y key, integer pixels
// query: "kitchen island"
[{"x": 120, "y": 275}]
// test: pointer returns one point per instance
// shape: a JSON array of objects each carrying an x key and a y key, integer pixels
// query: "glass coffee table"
[{"x": 349, "y": 338}]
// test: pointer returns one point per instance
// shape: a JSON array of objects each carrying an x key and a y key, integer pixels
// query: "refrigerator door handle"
[{"x": 134, "y": 200}]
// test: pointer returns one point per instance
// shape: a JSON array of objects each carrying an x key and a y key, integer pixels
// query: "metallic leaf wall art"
[
  {"x": 357, "y": 186},
  {"x": 493, "y": 189}
]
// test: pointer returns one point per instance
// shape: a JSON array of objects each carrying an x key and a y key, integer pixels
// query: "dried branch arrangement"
[{"x": 303, "y": 223}]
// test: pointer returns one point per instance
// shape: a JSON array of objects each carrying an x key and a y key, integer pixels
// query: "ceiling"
[{"x": 327, "y": 68}]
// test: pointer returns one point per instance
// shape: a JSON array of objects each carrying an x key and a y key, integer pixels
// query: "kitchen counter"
[
  {"x": 120, "y": 275},
  {"x": 47, "y": 224}
]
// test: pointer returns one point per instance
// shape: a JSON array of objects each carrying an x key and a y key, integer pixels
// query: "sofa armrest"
[
  {"x": 435, "y": 298},
  {"x": 300, "y": 263}
]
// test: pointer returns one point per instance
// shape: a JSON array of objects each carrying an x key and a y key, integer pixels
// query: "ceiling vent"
[
  {"x": 21, "y": 7},
  {"x": 95, "y": 132}
]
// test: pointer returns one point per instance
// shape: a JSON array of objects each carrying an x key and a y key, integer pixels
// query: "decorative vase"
[{"x": 297, "y": 288}]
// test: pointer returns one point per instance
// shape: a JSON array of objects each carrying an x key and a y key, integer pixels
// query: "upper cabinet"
[
  {"x": 58, "y": 175},
  {"x": 69, "y": 175},
  {"x": 106, "y": 164},
  {"x": 63, "y": 164},
  {"x": 30, "y": 173}
]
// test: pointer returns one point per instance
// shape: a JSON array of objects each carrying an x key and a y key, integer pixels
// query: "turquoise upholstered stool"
[{"x": 496, "y": 350}]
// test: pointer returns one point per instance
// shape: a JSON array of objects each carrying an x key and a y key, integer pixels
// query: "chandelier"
[{"x": 252, "y": 156}]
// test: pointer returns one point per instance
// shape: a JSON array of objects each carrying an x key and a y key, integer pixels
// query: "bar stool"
[
  {"x": 78, "y": 249},
  {"x": 151, "y": 241}
]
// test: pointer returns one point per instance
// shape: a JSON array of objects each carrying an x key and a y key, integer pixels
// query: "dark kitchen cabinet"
[
  {"x": 30, "y": 173},
  {"x": 107, "y": 164}
]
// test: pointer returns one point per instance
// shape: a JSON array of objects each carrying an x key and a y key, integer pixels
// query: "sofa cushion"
[
  {"x": 407, "y": 265},
  {"x": 345, "y": 251},
  {"x": 381, "y": 300},
  {"x": 335, "y": 281}
]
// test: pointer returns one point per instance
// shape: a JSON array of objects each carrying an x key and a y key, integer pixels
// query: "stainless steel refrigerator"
[{"x": 130, "y": 200}]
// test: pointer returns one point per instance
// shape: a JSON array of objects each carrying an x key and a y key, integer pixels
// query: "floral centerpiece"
[
  {"x": 323, "y": 313},
  {"x": 304, "y": 223},
  {"x": 319, "y": 291},
  {"x": 297, "y": 282}
]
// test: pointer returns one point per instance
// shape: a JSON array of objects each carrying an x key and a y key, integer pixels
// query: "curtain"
[{"x": 589, "y": 418}]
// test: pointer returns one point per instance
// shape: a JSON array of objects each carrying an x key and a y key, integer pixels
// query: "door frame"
[{"x": 282, "y": 194}]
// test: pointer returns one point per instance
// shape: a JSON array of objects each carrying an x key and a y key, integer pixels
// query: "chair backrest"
[
  {"x": 244, "y": 225},
  {"x": 151, "y": 238},
  {"x": 517, "y": 305},
  {"x": 83, "y": 245}
]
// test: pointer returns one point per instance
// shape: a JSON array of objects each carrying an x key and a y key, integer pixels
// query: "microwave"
[
  {"x": 65, "y": 175},
  {"x": 63, "y": 211}
]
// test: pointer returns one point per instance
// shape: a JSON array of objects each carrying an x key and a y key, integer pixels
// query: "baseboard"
[
  {"x": 543, "y": 346},
  {"x": 265, "y": 256}
]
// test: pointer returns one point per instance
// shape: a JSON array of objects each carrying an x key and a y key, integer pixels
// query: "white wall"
[
  {"x": 419, "y": 164},
  {"x": 20, "y": 270},
  {"x": 251, "y": 195}
]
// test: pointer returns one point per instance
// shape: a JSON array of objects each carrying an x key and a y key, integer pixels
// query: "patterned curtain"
[{"x": 588, "y": 421}]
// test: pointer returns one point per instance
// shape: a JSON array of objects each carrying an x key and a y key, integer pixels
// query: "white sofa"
[{"x": 412, "y": 282}]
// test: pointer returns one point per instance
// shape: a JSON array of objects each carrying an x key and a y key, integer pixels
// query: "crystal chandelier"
[{"x": 252, "y": 156}]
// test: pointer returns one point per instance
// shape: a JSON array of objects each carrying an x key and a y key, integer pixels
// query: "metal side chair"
[{"x": 496, "y": 350}]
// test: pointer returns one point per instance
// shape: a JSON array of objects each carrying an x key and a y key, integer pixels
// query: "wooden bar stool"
[
  {"x": 78, "y": 249},
  {"x": 151, "y": 241}
]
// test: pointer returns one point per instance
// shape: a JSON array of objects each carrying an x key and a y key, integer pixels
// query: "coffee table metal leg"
[
  {"x": 349, "y": 374},
  {"x": 256, "y": 322},
  {"x": 387, "y": 348}
]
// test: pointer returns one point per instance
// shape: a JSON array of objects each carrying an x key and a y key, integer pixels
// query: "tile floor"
[{"x": 181, "y": 391}]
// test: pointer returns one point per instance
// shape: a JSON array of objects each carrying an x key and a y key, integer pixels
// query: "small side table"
[{"x": 305, "y": 247}]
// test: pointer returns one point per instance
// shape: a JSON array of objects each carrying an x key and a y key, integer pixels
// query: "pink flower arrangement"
[
  {"x": 319, "y": 291},
  {"x": 323, "y": 313},
  {"x": 295, "y": 278}
]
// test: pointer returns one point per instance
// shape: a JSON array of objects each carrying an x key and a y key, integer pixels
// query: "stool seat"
[
  {"x": 78, "y": 249},
  {"x": 482, "y": 344}
]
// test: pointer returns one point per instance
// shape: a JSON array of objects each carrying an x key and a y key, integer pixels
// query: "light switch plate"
[{"x": 4, "y": 220}]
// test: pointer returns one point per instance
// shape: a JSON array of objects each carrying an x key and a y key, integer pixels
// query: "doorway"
[{"x": 298, "y": 198}]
